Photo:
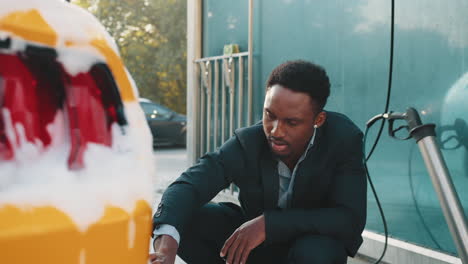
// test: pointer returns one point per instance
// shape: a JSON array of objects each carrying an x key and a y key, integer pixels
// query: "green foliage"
[{"x": 151, "y": 35}]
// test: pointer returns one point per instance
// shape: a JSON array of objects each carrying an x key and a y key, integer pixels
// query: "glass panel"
[
  {"x": 351, "y": 39},
  {"x": 224, "y": 22}
]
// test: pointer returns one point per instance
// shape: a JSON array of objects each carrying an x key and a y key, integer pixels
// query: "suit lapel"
[
  {"x": 308, "y": 170},
  {"x": 270, "y": 180}
]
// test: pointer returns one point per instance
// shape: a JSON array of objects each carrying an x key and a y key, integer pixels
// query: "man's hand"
[
  {"x": 247, "y": 237},
  {"x": 165, "y": 250}
]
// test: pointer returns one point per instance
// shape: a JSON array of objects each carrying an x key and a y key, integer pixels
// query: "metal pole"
[
  {"x": 223, "y": 102},
  {"x": 240, "y": 92},
  {"x": 216, "y": 100},
  {"x": 208, "y": 106},
  {"x": 203, "y": 82},
  {"x": 451, "y": 207},
  {"x": 194, "y": 25},
  {"x": 250, "y": 63},
  {"x": 424, "y": 134},
  {"x": 232, "y": 83}
]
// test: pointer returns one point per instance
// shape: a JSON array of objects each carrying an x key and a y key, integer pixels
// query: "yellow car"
[{"x": 76, "y": 161}]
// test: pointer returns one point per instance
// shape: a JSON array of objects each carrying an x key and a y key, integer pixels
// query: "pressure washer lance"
[{"x": 424, "y": 134}]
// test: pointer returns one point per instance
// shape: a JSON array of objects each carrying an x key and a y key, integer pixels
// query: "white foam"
[
  {"x": 79, "y": 59},
  {"x": 71, "y": 22},
  {"x": 72, "y": 25},
  {"x": 117, "y": 176}
]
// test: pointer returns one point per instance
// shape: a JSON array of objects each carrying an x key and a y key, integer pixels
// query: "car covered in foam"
[{"x": 76, "y": 160}]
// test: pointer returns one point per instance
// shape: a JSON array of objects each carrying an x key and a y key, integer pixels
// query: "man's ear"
[{"x": 320, "y": 119}]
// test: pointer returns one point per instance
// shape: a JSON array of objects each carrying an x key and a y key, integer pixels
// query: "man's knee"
[
  {"x": 312, "y": 249},
  {"x": 207, "y": 231},
  {"x": 213, "y": 216}
]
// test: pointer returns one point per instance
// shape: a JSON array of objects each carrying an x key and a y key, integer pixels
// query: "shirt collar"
[{"x": 311, "y": 141}]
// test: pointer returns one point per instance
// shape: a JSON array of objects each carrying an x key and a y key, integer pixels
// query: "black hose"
[
  {"x": 390, "y": 76},
  {"x": 384, "y": 221},
  {"x": 382, "y": 124}
]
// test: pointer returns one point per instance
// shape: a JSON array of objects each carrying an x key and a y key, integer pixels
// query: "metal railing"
[
  {"x": 197, "y": 144},
  {"x": 224, "y": 99}
]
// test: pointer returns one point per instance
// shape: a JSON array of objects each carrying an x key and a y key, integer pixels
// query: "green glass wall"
[
  {"x": 224, "y": 22},
  {"x": 351, "y": 39}
]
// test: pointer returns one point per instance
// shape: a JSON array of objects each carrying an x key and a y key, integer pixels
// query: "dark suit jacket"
[{"x": 329, "y": 194}]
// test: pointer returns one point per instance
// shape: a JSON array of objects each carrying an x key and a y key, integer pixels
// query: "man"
[{"x": 301, "y": 179}]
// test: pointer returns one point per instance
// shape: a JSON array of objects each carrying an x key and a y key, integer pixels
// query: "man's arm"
[
  {"x": 165, "y": 250},
  {"x": 199, "y": 184},
  {"x": 194, "y": 188},
  {"x": 344, "y": 216},
  {"x": 169, "y": 230}
]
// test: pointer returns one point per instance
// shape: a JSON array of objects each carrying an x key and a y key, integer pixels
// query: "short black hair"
[{"x": 302, "y": 76}]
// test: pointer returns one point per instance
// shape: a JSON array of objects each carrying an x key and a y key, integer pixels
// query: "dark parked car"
[{"x": 167, "y": 126}]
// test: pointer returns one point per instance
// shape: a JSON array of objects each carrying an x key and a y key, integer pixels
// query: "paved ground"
[{"x": 171, "y": 162}]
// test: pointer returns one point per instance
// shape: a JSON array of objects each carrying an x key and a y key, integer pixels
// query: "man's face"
[{"x": 288, "y": 121}]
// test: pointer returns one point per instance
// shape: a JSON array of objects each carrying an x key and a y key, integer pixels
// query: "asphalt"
[{"x": 170, "y": 163}]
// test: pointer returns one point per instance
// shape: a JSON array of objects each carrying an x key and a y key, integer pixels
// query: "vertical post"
[
  {"x": 223, "y": 102},
  {"x": 201, "y": 125},
  {"x": 232, "y": 83},
  {"x": 194, "y": 25},
  {"x": 208, "y": 106},
  {"x": 240, "y": 92},
  {"x": 250, "y": 63},
  {"x": 216, "y": 103}
]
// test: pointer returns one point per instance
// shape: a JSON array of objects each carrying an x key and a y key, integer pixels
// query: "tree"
[{"x": 151, "y": 36}]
